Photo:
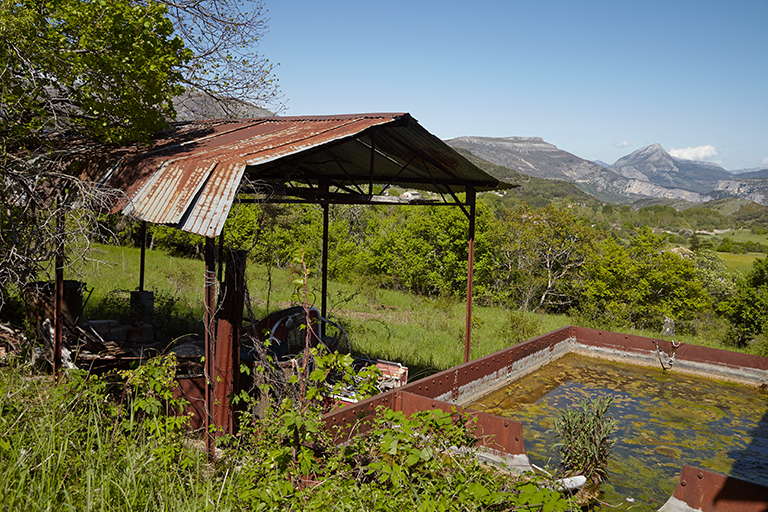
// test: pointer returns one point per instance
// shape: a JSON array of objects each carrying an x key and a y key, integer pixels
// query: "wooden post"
[{"x": 210, "y": 352}]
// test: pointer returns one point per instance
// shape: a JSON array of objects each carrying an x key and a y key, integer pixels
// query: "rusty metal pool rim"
[{"x": 460, "y": 386}]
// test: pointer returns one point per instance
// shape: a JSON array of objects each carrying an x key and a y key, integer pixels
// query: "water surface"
[{"x": 665, "y": 420}]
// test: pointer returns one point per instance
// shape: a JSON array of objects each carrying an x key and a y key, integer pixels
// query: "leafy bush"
[
  {"x": 520, "y": 326},
  {"x": 641, "y": 283},
  {"x": 748, "y": 308},
  {"x": 586, "y": 439}
]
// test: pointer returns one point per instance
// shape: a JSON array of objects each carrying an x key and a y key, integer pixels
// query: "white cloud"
[
  {"x": 621, "y": 144},
  {"x": 765, "y": 161},
  {"x": 697, "y": 153}
]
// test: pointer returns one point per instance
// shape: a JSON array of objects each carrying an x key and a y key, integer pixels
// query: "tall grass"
[{"x": 64, "y": 448}]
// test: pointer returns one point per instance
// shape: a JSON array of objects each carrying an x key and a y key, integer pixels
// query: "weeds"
[{"x": 586, "y": 439}]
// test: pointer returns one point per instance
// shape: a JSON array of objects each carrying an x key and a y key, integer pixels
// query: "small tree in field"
[{"x": 537, "y": 258}]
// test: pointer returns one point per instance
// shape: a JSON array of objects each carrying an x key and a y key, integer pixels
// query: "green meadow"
[{"x": 425, "y": 334}]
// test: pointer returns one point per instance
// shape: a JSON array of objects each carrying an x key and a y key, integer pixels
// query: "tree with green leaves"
[
  {"x": 424, "y": 249},
  {"x": 106, "y": 70},
  {"x": 748, "y": 308},
  {"x": 537, "y": 257},
  {"x": 641, "y": 283},
  {"x": 77, "y": 75}
]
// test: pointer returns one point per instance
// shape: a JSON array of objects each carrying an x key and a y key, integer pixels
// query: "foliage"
[
  {"x": 748, "y": 309},
  {"x": 425, "y": 249},
  {"x": 399, "y": 463},
  {"x": 71, "y": 446},
  {"x": 102, "y": 70},
  {"x": 74, "y": 446},
  {"x": 520, "y": 326},
  {"x": 334, "y": 374},
  {"x": 221, "y": 36},
  {"x": 44, "y": 214},
  {"x": 713, "y": 275},
  {"x": 537, "y": 258},
  {"x": 177, "y": 242},
  {"x": 78, "y": 75},
  {"x": 153, "y": 408},
  {"x": 586, "y": 443},
  {"x": 107, "y": 69},
  {"x": 641, "y": 283}
]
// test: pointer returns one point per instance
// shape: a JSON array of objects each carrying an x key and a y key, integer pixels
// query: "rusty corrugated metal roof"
[{"x": 190, "y": 181}]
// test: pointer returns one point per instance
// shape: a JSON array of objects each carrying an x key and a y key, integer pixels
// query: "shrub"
[
  {"x": 520, "y": 326},
  {"x": 586, "y": 439}
]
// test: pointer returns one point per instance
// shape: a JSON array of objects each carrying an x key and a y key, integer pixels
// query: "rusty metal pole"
[
  {"x": 229, "y": 321},
  {"x": 324, "y": 298},
  {"x": 58, "y": 301},
  {"x": 210, "y": 305},
  {"x": 470, "y": 270}
]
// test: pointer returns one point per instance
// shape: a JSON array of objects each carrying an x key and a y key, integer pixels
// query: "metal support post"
[
  {"x": 58, "y": 301},
  {"x": 229, "y": 321},
  {"x": 324, "y": 293},
  {"x": 470, "y": 270}
]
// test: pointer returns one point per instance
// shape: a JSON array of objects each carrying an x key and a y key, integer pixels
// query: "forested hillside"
[{"x": 531, "y": 190}]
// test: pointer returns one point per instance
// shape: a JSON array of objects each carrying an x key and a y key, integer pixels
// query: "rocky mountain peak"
[
  {"x": 652, "y": 153},
  {"x": 652, "y": 163}
]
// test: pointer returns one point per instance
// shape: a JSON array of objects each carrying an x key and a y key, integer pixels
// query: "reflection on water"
[{"x": 666, "y": 420}]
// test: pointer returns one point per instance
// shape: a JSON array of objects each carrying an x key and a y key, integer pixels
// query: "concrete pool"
[{"x": 465, "y": 385}]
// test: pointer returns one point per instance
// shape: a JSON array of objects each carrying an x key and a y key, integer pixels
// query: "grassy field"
[
  {"x": 427, "y": 335},
  {"x": 740, "y": 262}
]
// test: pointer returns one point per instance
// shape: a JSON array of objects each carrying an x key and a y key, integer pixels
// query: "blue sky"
[{"x": 597, "y": 79}]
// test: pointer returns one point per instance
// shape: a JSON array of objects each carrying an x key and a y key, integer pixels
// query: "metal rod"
[
  {"x": 58, "y": 302},
  {"x": 324, "y": 293},
  {"x": 470, "y": 270},
  {"x": 220, "y": 258},
  {"x": 143, "y": 236},
  {"x": 210, "y": 353}
]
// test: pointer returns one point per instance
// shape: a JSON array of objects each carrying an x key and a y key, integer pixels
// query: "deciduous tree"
[
  {"x": 537, "y": 257},
  {"x": 641, "y": 283},
  {"x": 78, "y": 74}
]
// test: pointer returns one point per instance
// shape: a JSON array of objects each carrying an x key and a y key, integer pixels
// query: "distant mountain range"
[{"x": 647, "y": 172}]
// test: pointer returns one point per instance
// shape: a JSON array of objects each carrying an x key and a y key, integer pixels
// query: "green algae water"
[{"x": 666, "y": 420}]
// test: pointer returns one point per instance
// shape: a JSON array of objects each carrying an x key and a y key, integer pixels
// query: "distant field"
[
  {"x": 741, "y": 262},
  {"x": 737, "y": 235}
]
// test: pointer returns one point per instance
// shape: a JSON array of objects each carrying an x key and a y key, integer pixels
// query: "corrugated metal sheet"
[{"x": 190, "y": 180}]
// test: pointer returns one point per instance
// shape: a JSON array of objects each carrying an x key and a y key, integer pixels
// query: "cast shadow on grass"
[{"x": 172, "y": 319}]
